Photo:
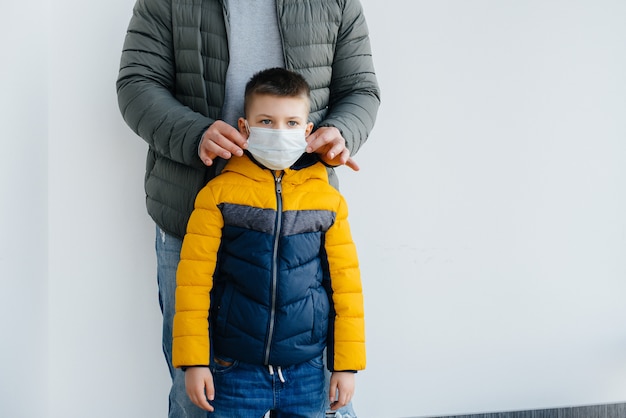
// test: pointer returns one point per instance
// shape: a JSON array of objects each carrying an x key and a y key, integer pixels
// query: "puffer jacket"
[
  {"x": 171, "y": 84},
  {"x": 273, "y": 261}
]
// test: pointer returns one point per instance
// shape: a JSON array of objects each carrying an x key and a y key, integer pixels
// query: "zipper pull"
[{"x": 279, "y": 185}]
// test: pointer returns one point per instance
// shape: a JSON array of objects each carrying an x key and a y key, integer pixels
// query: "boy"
[{"x": 269, "y": 275}]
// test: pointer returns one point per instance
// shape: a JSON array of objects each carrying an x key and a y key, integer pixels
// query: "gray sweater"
[
  {"x": 253, "y": 45},
  {"x": 171, "y": 84}
]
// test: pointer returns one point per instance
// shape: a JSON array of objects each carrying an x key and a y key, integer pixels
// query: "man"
[{"x": 180, "y": 87}]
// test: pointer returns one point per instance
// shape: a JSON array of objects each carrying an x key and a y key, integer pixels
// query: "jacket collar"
[{"x": 307, "y": 167}]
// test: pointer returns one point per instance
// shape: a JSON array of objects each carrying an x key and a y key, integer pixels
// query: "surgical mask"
[{"x": 276, "y": 149}]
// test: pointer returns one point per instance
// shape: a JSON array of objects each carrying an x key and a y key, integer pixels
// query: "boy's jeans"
[
  {"x": 168, "y": 254},
  {"x": 248, "y": 391}
]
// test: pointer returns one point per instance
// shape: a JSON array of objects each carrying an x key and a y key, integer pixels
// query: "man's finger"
[{"x": 352, "y": 164}]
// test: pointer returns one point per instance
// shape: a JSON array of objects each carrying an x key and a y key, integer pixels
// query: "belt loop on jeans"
[{"x": 279, "y": 370}]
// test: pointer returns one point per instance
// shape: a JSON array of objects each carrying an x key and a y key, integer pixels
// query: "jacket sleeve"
[
  {"x": 346, "y": 340},
  {"x": 194, "y": 281},
  {"x": 146, "y": 85},
  {"x": 354, "y": 91}
]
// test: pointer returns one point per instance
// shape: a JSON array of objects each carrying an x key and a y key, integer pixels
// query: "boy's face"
[{"x": 274, "y": 112}]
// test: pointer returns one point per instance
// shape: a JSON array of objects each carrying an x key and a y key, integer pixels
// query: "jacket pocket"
[
  {"x": 320, "y": 307},
  {"x": 222, "y": 310}
]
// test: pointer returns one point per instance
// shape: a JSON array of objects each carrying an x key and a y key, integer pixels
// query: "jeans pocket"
[
  {"x": 316, "y": 362},
  {"x": 222, "y": 364}
]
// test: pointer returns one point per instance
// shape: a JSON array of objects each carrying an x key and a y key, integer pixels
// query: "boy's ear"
[
  {"x": 243, "y": 129},
  {"x": 308, "y": 129}
]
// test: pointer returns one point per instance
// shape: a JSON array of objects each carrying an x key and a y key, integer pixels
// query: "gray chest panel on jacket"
[{"x": 264, "y": 220}]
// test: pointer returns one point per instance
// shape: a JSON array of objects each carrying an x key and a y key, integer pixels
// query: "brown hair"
[{"x": 276, "y": 82}]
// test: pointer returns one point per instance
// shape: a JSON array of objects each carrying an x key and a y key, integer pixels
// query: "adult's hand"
[
  {"x": 331, "y": 146},
  {"x": 221, "y": 140}
]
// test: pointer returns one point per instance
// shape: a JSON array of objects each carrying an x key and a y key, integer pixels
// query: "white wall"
[
  {"x": 23, "y": 216},
  {"x": 105, "y": 344},
  {"x": 493, "y": 243}
]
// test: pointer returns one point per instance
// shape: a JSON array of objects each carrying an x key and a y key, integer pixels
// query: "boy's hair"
[{"x": 276, "y": 82}]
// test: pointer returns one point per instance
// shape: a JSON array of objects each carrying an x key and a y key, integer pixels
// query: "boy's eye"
[
  {"x": 292, "y": 123},
  {"x": 266, "y": 122}
]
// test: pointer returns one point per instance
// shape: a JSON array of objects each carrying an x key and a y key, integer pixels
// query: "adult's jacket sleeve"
[
  {"x": 145, "y": 86},
  {"x": 355, "y": 95},
  {"x": 346, "y": 340}
]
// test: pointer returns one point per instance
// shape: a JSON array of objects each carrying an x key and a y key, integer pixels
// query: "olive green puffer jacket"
[{"x": 172, "y": 76}]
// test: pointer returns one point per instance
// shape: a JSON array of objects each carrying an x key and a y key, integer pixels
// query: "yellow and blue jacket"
[{"x": 269, "y": 271}]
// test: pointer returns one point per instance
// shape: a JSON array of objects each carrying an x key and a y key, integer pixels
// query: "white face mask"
[{"x": 276, "y": 149}]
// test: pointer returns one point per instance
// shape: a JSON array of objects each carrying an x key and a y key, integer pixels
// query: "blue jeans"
[
  {"x": 245, "y": 390},
  {"x": 180, "y": 406}
]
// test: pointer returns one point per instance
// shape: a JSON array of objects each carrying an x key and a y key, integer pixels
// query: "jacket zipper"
[
  {"x": 280, "y": 32},
  {"x": 279, "y": 221}
]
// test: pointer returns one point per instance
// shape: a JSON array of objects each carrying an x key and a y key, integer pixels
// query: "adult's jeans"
[{"x": 168, "y": 255}]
